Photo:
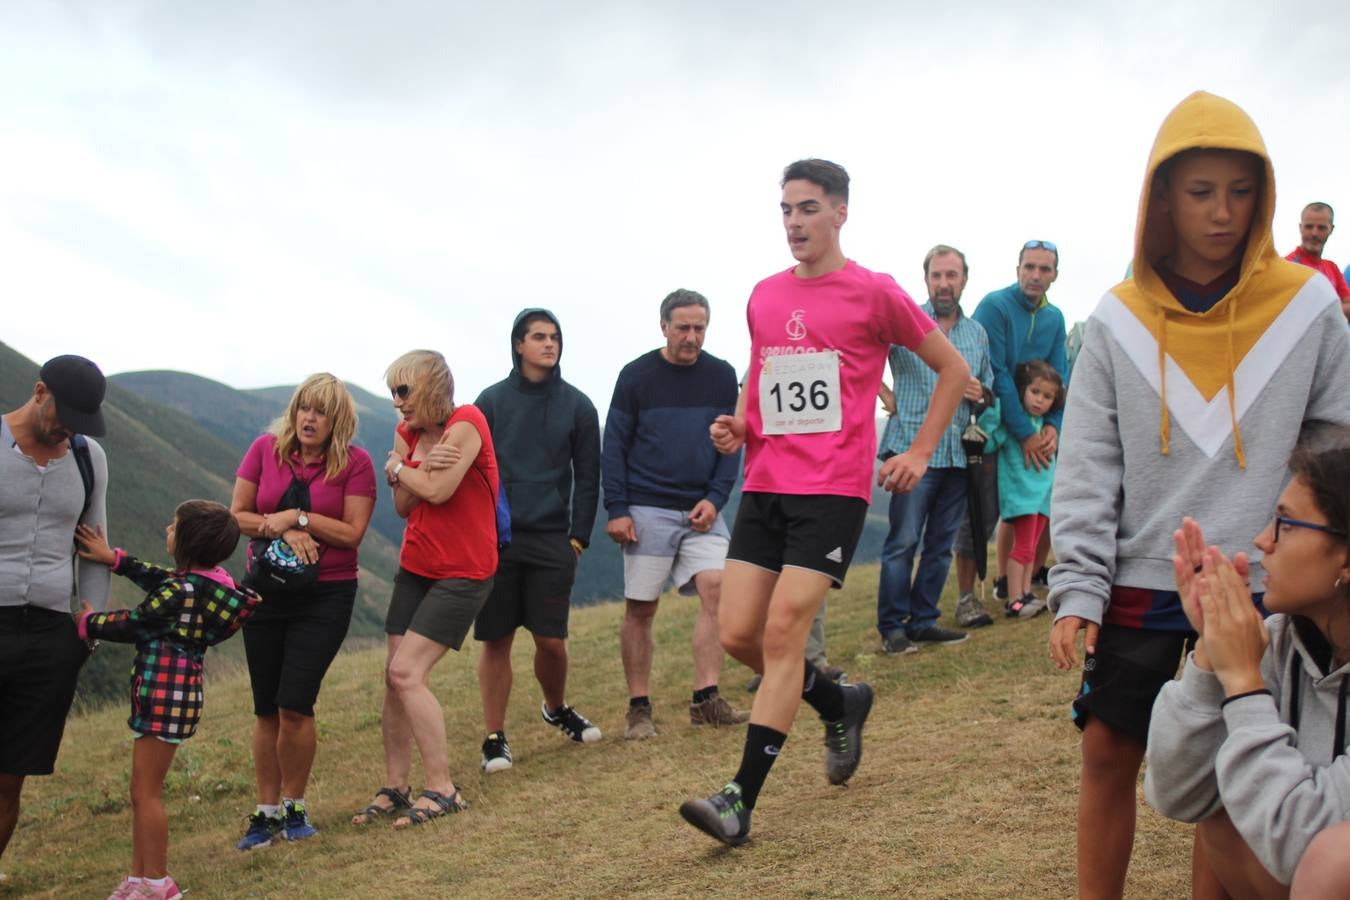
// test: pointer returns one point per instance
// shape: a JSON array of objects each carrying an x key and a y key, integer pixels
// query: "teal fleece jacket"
[
  {"x": 1020, "y": 331},
  {"x": 1021, "y": 491}
]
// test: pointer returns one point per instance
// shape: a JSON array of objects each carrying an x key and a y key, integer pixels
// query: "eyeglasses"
[
  {"x": 1286, "y": 522},
  {"x": 400, "y": 392},
  {"x": 1041, "y": 245}
]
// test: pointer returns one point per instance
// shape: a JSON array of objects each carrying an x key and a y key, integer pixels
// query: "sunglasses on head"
[
  {"x": 400, "y": 392},
  {"x": 1040, "y": 245}
]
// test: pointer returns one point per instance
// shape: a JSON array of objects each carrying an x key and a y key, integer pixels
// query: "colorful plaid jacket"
[{"x": 183, "y": 613}]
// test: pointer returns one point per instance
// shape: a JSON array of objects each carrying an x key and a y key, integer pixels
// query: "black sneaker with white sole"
[
  {"x": 722, "y": 816},
  {"x": 571, "y": 723},
  {"x": 843, "y": 737},
  {"x": 936, "y": 634},
  {"x": 496, "y": 752}
]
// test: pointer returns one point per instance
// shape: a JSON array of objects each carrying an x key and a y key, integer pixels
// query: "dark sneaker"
[
  {"x": 571, "y": 723},
  {"x": 834, "y": 673},
  {"x": 898, "y": 645},
  {"x": 496, "y": 752},
  {"x": 970, "y": 614},
  {"x": 1001, "y": 588},
  {"x": 843, "y": 738},
  {"x": 638, "y": 723},
  {"x": 716, "y": 711},
  {"x": 722, "y": 816},
  {"x": 297, "y": 826},
  {"x": 261, "y": 830},
  {"x": 1041, "y": 579},
  {"x": 936, "y": 635}
]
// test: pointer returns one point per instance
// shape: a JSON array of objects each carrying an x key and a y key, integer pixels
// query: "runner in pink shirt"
[{"x": 819, "y": 335}]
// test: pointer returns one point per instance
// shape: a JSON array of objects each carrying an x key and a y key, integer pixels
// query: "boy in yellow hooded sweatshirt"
[{"x": 1196, "y": 378}]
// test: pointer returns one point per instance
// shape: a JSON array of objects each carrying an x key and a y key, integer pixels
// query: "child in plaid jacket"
[{"x": 185, "y": 611}]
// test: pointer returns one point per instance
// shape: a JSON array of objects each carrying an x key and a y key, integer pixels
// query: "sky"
[{"x": 256, "y": 191}]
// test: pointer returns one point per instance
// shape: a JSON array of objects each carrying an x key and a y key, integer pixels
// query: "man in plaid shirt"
[{"x": 907, "y": 600}]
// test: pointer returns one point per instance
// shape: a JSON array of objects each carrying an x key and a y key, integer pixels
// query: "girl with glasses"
[{"x": 1250, "y": 742}]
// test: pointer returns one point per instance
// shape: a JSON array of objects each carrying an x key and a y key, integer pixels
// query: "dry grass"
[{"x": 967, "y": 789}]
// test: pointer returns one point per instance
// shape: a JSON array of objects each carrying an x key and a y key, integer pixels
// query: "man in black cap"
[{"x": 51, "y": 479}]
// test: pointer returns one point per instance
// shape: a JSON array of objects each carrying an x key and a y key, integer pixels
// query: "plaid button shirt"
[{"x": 914, "y": 383}]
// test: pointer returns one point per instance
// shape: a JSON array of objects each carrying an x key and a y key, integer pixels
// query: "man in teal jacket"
[{"x": 1023, "y": 324}]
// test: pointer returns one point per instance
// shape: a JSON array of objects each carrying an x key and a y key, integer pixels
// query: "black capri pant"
[{"x": 291, "y": 640}]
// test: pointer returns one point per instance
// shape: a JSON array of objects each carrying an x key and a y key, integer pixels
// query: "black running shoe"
[
  {"x": 843, "y": 738},
  {"x": 722, "y": 816},
  {"x": 1001, "y": 588},
  {"x": 496, "y": 752},
  {"x": 571, "y": 723}
]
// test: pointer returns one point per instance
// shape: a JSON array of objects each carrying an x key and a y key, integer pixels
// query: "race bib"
[{"x": 799, "y": 394}]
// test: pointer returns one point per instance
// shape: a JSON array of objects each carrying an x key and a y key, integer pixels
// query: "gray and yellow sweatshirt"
[{"x": 1175, "y": 413}]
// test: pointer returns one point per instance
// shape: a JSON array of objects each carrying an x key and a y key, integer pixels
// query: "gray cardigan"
[{"x": 39, "y": 509}]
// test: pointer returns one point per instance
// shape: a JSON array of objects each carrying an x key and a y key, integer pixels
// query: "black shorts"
[
  {"x": 1122, "y": 679},
  {"x": 40, "y": 658},
  {"x": 290, "y": 642},
  {"x": 817, "y": 532},
  {"x": 533, "y": 588},
  {"x": 439, "y": 609}
]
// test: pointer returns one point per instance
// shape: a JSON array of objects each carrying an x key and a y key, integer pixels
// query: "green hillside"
[
  {"x": 158, "y": 457},
  {"x": 967, "y": 787}
]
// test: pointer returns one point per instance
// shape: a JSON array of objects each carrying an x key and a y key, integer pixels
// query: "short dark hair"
[
  {"x": 682, "y": 297},
  {"x": 204, "y": 534},
  {"x": 1027, "y": 372},
  {"x": 830, "y": 177},
  {"x": 942, "y": 250},
  {"x": 1319, "y": 206}
]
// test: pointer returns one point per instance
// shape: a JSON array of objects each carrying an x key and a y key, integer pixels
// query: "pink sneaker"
[
  {"x": 147, "y": 891},
  {"x": 125, "y": 890}
]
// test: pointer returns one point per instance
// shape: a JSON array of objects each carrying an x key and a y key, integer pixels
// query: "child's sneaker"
[
  {"x": 262, "y": 829},
  {"x": 147, "y": 890},
  {"x": 297, "y": 826},
  {"x": 1032, "y": 606},
  {"x": 126, "y": 889},
  {"x": 1001, "y": 588},
  {"x": 571, "y": 723}
]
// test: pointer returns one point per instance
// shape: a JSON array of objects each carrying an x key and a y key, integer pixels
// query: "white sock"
[
  {"x": 271, "y": 810},
  {"x": 157, "y": 882}
]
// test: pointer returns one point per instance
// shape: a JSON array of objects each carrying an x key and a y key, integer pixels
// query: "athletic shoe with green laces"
[
  {"x": 843, "y": 737},
  {"x": 262, "y": 828},
  {"x": 722, "y": 816},
  {"x": 297, "y": 825}
]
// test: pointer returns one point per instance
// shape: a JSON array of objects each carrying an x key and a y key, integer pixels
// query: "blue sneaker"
[
  {"x": 261, "y": 830},
  {"x": 297, "y": 825}
]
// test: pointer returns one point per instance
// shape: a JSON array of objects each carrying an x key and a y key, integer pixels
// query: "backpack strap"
[{"x": 79, "y": 444}]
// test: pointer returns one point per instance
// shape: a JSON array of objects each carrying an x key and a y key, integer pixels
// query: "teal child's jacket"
[{"x": 1022, "y": 491}]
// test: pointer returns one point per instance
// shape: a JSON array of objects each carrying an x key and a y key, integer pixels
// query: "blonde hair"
[
  {"x": 431, "y": 386},
  {"x": 327, "y": 394}
]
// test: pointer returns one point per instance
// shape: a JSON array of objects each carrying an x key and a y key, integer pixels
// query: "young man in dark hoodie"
[{"x": 547, "y": 436}]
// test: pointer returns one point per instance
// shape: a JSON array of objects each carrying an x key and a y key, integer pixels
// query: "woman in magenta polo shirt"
[
  {"x": 446, "y": 564},
  {"x": 292, "y": 638}
]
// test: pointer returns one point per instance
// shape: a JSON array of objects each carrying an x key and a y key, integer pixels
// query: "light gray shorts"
[{"x": 667, "y": 547}]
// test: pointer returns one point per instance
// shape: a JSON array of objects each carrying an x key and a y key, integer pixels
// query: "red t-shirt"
[
  {"x": 457, "y": 538},
  {"x": 1325, "y": 266},
  {"x": 327, "y": 496}
]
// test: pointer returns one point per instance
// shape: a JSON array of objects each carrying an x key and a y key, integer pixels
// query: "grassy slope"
[{"x": 967, "y": 787}]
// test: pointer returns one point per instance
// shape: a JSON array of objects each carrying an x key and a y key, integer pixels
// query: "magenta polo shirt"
[{"x": 327, "y": 496}]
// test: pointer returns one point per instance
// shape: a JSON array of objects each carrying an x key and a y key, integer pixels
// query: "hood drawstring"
[
  {"x": 1165, "y": 423},
  {"x": 1295, "y": 682}
]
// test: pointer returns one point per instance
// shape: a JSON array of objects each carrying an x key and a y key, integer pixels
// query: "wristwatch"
[
  {"x": 393, "y": 476},
  {"x": 303, "y": 519}
]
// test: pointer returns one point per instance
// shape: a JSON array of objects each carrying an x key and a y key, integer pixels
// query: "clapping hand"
[{"x": 1234, "y": 636}]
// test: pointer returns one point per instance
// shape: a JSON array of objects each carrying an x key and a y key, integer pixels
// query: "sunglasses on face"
[
  {"x": 1286, "y": 522},
  {"x": 400, "y": 392},
  {"x": 1041, "y": 245}
]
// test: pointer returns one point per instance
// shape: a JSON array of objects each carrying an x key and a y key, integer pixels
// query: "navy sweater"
[{"x": 657, "y": 451}]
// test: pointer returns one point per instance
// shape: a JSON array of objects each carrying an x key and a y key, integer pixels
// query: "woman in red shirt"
[{"x": 446, "y": 564}]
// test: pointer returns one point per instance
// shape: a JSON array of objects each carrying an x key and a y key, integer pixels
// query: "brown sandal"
[{"x": 445, "y": 805}]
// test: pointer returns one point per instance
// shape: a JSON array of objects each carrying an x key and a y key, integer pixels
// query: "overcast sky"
[{"x": 254, "y": 191}]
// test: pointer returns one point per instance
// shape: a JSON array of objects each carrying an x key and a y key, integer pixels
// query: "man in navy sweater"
[{"x": 665, "y": 486}]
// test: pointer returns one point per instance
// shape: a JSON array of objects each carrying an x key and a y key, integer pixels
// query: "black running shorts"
[
  {"x": 817, "y": 532},
  {"x": 1123, "y": 677}
]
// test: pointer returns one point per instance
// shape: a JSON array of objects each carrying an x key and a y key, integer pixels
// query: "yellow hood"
[{"x": 1265, "y": 286}]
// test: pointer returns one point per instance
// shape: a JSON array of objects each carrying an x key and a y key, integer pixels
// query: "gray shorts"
[
  {"x": 667, "y": 547},
  {"x": 439, "y": 609},
  {"x": 988, "y": 488}
]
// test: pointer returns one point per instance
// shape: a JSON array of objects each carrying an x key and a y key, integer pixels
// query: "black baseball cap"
[{"x": 78, "y": 387}]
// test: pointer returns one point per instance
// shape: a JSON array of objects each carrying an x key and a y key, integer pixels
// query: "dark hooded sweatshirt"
[{"x": 547, "y": 437}]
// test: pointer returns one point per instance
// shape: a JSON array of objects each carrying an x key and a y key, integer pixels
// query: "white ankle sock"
[{"x": 271, "y": 810}]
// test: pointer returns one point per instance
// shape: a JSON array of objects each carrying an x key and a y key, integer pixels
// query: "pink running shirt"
[{"x": 856, "y": 312}]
